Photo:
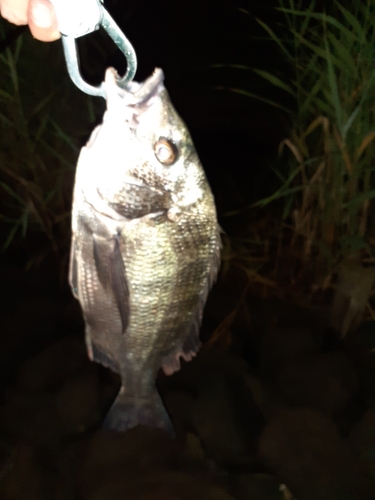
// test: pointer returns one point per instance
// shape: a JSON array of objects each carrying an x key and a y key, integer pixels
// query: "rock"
[
  {"x": 360, "y": 346},
  {"x": 179, "y": 405},
  {"x": 70, "y": 461},
  {"x": 351, "y": 295},
  {"x": 143, "y": 464},
  {"x": 32, "y": 418},
  {"x": 30, "y": 446},
  {"x": 234, "y": 366},
  {"x": 25, "y": 325},
  {"x": 51, "y": 367},
  {"x": 226, "y": 420},
  {"x": 362, "y": 442},
  {"x": 307, "y": 453},
  {"x": 194, "y": 447},
  {"x": 279, "y": 345},
  {"x": 274, "y": 313},
  {"x": 156, "y": 486},
  {"x": 190, "y": 374},
  {"x": 266, "y": 399},
  {"x": 23, "y": 478},
  {"x": 325, "y": 381},
  {"x": 258, "y": 487},
  {"x": 211, "y": 359},
  {"x": 77, "y": 403}
]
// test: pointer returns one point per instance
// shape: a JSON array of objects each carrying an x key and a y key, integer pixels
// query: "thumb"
[{"x": 42, "y": 20}]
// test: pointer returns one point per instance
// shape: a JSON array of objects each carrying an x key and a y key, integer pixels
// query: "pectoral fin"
[{"x": 112, "y": 273}]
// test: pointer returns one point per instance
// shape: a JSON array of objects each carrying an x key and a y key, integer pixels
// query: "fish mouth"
[
  {"x": 134, "y": 93},
  {"x": 144, "y": 91}
]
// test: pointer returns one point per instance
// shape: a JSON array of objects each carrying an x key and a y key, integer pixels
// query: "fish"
[{"x": 145, "y": 247}]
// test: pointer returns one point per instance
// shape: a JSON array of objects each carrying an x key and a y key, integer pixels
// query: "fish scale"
[{"x": 145, "y": 246}]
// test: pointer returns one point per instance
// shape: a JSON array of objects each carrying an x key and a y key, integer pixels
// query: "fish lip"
[
  {"x": 149, "y": 87},
  {"x": 134, "y": 93}
]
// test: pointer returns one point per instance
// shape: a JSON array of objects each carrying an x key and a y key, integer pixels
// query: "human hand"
[{"x": 38, "y": 14}]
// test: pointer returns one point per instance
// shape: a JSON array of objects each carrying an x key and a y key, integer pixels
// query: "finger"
[
  {"x": 14, "y": 11},
  {"x": 42, "y": 21}
]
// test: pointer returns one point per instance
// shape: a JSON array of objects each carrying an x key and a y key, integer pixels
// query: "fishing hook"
[{"x": 80, "y": 17}]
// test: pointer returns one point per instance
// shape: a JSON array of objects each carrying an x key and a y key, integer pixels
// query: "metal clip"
[{"x": 80, "y": 17}]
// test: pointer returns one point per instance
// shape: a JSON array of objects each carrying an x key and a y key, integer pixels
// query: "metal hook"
[{"x": 78, "y": 20}]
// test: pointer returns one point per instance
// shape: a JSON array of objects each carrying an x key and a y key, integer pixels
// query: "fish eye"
[{"x": 165, "y": 151}]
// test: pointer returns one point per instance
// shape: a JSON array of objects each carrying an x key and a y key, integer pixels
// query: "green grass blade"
[
  {"x": 255, "y": 96},
  {"x": 358, "y": 200},
  {"x": 266, "y": 75},
  {"x": 275, "y": 38},
  {"x": 13, "y": 71},
  {"x": 343, "y": 53},
  {"x": 353, "y": 22},
  {"x": 350, "y": 37},
  {"x": 275, "y": 196},
  {"x": 67, "y": 139},
  {"x": 12, "y": 193},
  {"x": 269, "y": 77},
  {"x": 350, "y": 121},
  {"x": 11, "y": 235},
  {"x": 42, "y": 103},
  {"x": 23, "y": 223},
  {"x": 334, "y": 88}
]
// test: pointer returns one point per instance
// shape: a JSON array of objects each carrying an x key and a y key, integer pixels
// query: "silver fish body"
[{"x": 145, "y": 245}]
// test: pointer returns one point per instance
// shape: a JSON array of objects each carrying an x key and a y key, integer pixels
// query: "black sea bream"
[{"x": 145, "y": 245}]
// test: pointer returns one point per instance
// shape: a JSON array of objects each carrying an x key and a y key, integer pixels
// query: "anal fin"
[{"x": 188, "y": 350}]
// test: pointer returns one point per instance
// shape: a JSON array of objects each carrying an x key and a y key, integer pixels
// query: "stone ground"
[{"x": 275, "y": 408}]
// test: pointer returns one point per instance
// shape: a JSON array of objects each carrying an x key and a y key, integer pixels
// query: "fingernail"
[{"x": 41, "y": 15}]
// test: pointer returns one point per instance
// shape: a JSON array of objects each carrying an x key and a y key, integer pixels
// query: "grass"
[
  {"x": 44, "y": 120},
  {"x": 326, "y": 194}
]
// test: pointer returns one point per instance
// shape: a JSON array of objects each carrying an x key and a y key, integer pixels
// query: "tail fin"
[{"x": 127, "y": 412}]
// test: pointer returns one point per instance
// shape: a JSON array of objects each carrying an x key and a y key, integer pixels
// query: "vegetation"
[
  {"x": 327, "y": 190},
  {"x": 44, "y": 120}
]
